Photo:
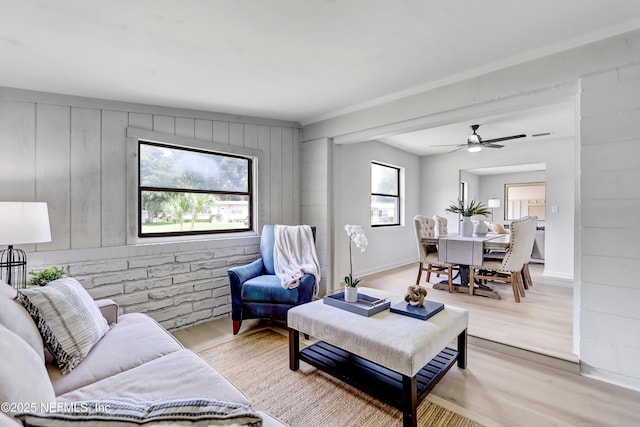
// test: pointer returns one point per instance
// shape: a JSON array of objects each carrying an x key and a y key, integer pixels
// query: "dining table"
[{"x": 465, "y": 251}]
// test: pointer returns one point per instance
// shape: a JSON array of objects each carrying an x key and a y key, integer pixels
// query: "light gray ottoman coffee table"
[{"x": 395, "y": 358}]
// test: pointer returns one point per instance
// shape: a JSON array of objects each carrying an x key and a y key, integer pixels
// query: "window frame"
[
  {"x": 134, "y": 134},
  {"x": 141, "y": 189},
  {"x": 398, "y": 171},
  {"x": 464, "y": 192}
]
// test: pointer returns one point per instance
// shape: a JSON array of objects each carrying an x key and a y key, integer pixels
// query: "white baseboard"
[
  {"x": 384, "y": 267},
  {"x": 558, "y": 275},
  {"x": 610, "y": 377},
  {"x": 564, "y": 363}
]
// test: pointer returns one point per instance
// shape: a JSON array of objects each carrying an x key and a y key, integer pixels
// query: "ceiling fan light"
[
  {"x": 473, "y": 138},
  {"x": 474, "y": 149}
]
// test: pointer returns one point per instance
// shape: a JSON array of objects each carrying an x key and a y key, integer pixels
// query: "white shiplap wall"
[
  {"x": 316, "y": 202},
  {"x": 71, "y": 153},
  {"x": 72, "y": 156},
  {"x": 609, "y": 227}
]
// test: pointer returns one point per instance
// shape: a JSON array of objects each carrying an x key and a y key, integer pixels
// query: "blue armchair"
[{"x": 256, "y": 291}]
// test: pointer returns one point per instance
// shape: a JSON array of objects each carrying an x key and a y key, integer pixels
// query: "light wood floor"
[
  {"x": 496, "y": 389},
  {"x": 542, "y": 322}
]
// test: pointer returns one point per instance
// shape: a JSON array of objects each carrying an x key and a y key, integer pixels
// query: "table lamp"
[
  {"x": 20, "y": 223},
  {"x": 493, "y": 203}
]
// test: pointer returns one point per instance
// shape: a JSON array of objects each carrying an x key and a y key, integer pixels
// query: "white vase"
[
  {"x": 467, "y": 226},
  {"x": 351, "y": 294},
  {"x": 480, "y": 228}
]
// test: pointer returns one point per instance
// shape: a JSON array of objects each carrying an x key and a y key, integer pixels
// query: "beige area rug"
[{"x": 258, "y": 363}]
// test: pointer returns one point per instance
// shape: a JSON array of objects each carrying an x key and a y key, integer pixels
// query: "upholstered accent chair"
[
  {"x": 510, "y": 268},
  {"x": 256, "y": 291},
  {"x": 428, "y": 253}
]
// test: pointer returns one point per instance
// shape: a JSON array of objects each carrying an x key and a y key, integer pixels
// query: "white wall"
[
  {"x": 71, "y": 152},
  {"x": 388, "y": 246},
  {"x": 609, "y": 230}
]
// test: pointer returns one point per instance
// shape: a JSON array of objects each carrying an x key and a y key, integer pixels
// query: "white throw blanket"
[{"x": 294, "y": 254}]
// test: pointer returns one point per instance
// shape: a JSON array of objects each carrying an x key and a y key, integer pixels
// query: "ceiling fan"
[{"x": 475, "y": 141}]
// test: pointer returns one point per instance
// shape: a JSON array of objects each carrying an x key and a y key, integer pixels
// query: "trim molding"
[
  {"x": 610, "y": 377},
  {"x": 560, "y": 275},
  {"x": 571, "y": 366},
  {"x": 25, "y": 95}
]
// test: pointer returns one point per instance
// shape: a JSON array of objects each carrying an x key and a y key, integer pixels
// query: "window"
[
  {"x": 385, "y": 195},
  {"x": 185, "y": 191},
  {"x": 464, "y": 192}
]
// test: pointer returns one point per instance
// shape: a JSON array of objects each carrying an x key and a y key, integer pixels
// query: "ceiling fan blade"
[
  {"x": 462, "y": 147},
  {"x": 450, "y": 145},
  {"x": 493, "y": 145},
  {"x": 504, "y": 138}
]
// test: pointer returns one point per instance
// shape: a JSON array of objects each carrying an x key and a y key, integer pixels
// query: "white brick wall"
[
  {"x": 609, "y": 226},
  {"x": 178, "y": 289}
]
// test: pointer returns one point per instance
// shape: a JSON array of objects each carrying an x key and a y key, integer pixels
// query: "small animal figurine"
[{"x": 416, "y": 295}]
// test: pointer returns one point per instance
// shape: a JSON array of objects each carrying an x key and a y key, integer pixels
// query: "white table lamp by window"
[
  {"x": 493, "y": 203},
  {"x": 20, "y": 223}
]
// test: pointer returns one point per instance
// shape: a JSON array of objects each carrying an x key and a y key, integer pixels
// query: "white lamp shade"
[
  {"x": 24, "y": 222},
  {"x": 494, "y": 203}
]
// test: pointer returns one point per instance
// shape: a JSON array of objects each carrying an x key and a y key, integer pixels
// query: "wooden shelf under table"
[{"x": 380, "y": 382}]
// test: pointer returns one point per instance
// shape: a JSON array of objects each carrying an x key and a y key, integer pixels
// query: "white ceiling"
[
  {"x": 289, "y": 59},
  {"x": 558, "y": 120},
  {"x": 499, "y": 170}
]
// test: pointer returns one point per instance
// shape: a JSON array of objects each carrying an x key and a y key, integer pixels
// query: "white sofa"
[{"x": 136, "y": 358}]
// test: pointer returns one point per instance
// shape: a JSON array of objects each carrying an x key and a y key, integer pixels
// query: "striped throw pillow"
[
  {"x": 67, "y": 317},
  {"x": 123, "y": 412}
]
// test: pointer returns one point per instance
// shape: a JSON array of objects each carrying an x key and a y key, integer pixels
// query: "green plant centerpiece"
[
  {"x": 473, "y": 208},
  {"x": 42, "y": 277}
]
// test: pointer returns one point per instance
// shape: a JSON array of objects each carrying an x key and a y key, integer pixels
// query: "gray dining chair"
[{"x": 509, "y": 269}]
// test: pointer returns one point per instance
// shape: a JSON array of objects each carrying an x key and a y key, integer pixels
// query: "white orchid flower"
[{"x": 356, "y": 235}]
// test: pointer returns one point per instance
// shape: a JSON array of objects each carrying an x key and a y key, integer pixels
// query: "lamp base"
[{"x": 13, "y": 267}]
